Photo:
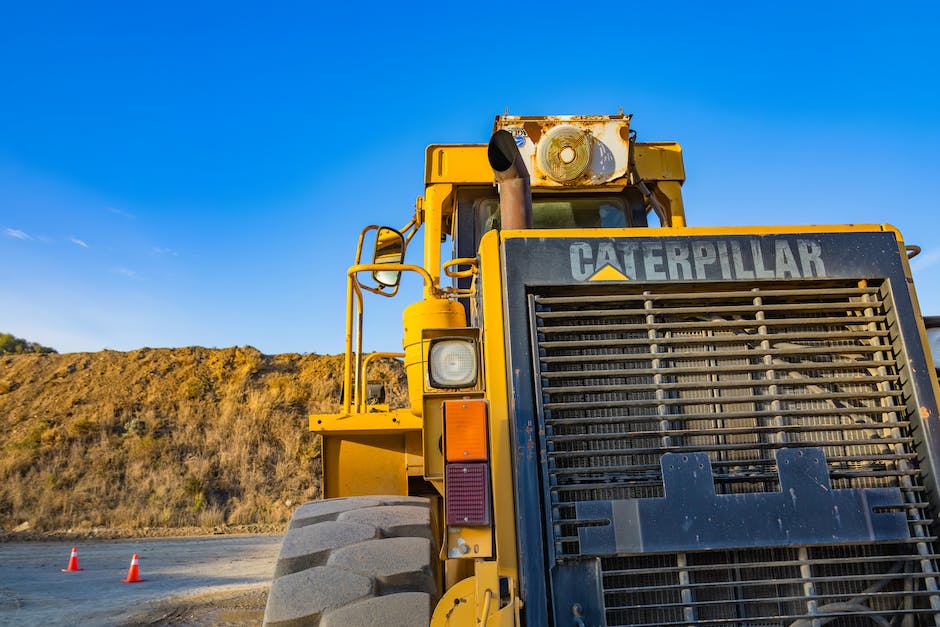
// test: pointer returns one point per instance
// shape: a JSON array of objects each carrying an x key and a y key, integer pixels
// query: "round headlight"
[{"x": 452, "y": 364}]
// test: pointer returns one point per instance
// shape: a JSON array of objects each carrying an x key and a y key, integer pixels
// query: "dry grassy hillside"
[{"x": 162, "y": 437}]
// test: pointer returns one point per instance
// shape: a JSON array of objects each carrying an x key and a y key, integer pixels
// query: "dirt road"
[{"x": 192, "y": 581}]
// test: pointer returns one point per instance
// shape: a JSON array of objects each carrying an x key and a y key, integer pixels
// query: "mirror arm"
[{"x": 409, "y": 231}]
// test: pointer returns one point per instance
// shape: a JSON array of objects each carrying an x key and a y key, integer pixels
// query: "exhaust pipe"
[{"x": 515, "y": 194}]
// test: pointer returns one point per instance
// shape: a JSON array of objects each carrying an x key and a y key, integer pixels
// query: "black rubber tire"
[{"x": 357, "y": 561}]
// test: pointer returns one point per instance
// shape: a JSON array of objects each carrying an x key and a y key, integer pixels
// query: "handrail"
[
  {"x": 402, "y": 267},
  {"x": 363, "y": 384},
  {"x": 354, "y": 310},
  {"x": 460, "y": 261}
]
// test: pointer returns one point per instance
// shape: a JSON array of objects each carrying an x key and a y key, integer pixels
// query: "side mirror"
[
  {"x": 389, "y": 248},
  {"x": 933, "y": 339}
]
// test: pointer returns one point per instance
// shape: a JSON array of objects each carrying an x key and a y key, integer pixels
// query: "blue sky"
[{"x": 197, "y": 173}]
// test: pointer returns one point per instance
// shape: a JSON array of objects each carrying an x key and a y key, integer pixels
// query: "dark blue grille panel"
[{"x": 629, "y": 373}]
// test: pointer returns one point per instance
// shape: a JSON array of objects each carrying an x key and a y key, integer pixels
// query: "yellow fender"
[
  {"x": 457, "y": 606},
  {"x": 461, "y": 606}
]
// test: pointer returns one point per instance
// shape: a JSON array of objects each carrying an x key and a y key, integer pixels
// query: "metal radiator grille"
[{"x": 625, "y": 376}]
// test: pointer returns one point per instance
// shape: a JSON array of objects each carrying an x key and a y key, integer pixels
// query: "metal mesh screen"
[{"x": 630, "y": 373}]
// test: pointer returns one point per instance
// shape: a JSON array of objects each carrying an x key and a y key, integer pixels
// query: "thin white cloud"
[
  {"x": 120, "y": 212},
  {"x": 79, "y": 242},
  {"x": 156, "y": 250},
  {"x": 131, "y": 274},
  {"x": 926, "y": 260},
  {"x": 16, "y": 233}
]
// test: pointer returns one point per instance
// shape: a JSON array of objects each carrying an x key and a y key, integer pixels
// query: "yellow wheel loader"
[{"x": 618, "y": 419}]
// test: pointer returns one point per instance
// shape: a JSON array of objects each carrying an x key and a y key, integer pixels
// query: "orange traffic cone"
[
  {"x": 73, "y": 562},
  {"x": 133, "y": 571}
]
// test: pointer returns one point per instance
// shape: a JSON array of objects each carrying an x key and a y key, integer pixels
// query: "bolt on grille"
[{"x": 627, "y": 374}]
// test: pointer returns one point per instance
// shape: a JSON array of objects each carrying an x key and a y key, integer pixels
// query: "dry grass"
[{"x": 162, "y": 437}]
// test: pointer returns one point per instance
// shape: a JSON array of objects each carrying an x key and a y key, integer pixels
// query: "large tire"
[{"x": 355, "y": 561}]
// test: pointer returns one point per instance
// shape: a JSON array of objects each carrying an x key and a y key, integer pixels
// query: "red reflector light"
[{"x": 466, "y": 494}]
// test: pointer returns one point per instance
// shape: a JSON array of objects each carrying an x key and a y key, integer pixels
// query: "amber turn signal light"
[{"x": 465, "y": 430}]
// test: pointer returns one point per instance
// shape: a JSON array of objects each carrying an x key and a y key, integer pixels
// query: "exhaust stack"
[{"x": 515, "y": 194}]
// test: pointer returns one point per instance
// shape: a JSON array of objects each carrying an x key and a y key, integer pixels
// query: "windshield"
[{"x": 560, "y": 213}]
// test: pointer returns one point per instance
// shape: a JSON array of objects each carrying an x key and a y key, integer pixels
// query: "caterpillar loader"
[{"x": 616, "y": 418}]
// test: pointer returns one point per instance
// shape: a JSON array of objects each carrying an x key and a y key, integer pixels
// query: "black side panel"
[{"x": 577, "y": 593}]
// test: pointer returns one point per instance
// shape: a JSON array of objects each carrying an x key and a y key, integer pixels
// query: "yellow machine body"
[{"x": 370, "y": 450}]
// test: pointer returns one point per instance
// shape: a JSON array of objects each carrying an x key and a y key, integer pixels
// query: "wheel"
[{"x": 364, "y": 560}]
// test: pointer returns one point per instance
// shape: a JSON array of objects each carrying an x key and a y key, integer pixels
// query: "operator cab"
[{"x": 478, "y": 213}]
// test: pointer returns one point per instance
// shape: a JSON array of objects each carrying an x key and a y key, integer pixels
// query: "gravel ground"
[
  {"x": 219, "y": 580},
  {"x": 231, "y": 609}
]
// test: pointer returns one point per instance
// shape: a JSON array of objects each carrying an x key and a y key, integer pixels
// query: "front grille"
[{"x": 629, "y": 373}]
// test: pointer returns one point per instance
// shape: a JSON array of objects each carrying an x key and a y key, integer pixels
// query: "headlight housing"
[{"x": 452, "y": 363}]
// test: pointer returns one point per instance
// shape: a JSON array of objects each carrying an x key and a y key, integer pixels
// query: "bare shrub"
[{"x": 165, "y": 437}]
